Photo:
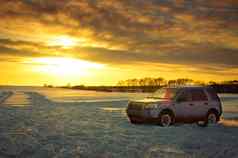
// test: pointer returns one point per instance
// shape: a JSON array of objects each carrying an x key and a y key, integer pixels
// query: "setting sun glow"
[
  {"x": 102, "y": 42},
  {"x": 67, "y": 67}
]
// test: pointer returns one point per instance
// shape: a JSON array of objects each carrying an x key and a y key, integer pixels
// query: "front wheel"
[{"x": 165, "y": 119}]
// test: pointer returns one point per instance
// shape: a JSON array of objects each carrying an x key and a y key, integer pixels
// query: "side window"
[
  {"x": 198, "y": 95},
  {"x": 184, "y": 97}
]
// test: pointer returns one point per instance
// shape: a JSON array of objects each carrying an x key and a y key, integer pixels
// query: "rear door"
[
  {"x": 200, "y": 104},
  {"x": 183, "y": 106}
]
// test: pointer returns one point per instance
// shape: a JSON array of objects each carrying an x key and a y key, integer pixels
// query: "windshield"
[{"x": 164, "y": 93}]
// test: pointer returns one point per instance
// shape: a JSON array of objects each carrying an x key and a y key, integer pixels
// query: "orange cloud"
[{"x": 189, "y": 33}]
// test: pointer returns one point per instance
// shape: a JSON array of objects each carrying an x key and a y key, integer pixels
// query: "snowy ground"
[{"x": 45, "y": 129}]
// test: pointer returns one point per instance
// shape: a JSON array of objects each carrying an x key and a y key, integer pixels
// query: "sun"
[
  {"x": 66, "y": 42},
  {"x": 63, "y": 41}
]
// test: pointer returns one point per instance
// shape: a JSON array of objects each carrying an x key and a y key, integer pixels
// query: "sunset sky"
[{"x": 99, "y": 42}]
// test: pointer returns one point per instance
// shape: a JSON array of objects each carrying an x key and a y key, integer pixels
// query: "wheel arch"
[
  {"x": 213, "y": 110},
  {"x": 167, "y": 110}
]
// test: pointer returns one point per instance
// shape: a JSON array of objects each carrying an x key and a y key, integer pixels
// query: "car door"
[
  {"x": 199, "y": 103},
  {"x": 183, "y": 106}
]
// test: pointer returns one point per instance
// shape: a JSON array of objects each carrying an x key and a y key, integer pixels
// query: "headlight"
[
  {"x": 154, "y": 106},
  {"x": 151, "y": 106}
]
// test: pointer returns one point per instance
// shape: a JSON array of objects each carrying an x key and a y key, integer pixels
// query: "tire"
[
  {"x": 166, "y": 119},
  {"x": 133, "y": 121},
  {"x": 211, "y": 119}
]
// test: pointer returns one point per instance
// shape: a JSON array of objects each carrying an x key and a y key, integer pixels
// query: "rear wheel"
[
  {"x": 165, "y": 119},
  {"x": 211, "y": 119}
]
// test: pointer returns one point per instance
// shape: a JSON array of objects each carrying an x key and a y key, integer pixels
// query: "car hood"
[{"x": 150, "y": 100}]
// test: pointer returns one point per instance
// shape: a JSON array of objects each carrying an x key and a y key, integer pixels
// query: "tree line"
[
  {"x": 149, "y": 84},
  {"x": 159, "y": 81}
]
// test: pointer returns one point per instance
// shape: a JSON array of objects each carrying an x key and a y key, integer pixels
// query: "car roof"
[{"x": 187, "y": 87}]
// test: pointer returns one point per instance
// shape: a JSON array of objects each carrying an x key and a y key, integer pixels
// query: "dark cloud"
[
  {"x": 6, "y": 51},
  {"x": 194, "y": 56},
  {"x": 187, "y": 32},
  {"x": 9, "y": 42},
  {"x": 25, "y": 48}
]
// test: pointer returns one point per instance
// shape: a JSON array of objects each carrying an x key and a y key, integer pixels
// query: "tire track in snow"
[{"x": 17, "y": 99}]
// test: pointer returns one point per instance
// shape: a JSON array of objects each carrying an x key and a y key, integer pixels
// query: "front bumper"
[
  {"x": 139, "y": 116},
  {"x": 140, "y": 119}
]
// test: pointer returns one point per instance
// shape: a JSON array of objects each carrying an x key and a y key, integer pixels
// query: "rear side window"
[
  {"x": 198, "y": 95},
  {"x": 212, "y": 94}
]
